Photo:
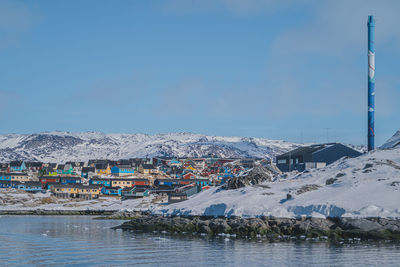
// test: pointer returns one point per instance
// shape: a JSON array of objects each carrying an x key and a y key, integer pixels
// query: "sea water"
[{"x": 83, "y": 241}]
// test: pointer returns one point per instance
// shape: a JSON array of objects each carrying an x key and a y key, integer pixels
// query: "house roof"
[
  {"x": 71, "y": 178},
  {"x": 32, "y": 184},
  {"x": 18, "y": 173},
  {"x": 88, "y": 169},
  {"x": 49, "y": 177},
  {"x": 147, "y": 166},
  {"x": 16, "y": 163},
  {"x": 34, "y": 164},
  {"x": 183, "y": 180},
  {"x": 305, "y": 150},
  {"x": 112, "y": 188},
  {"x": 60, "y": 167},
  {"x": 124, "y": 166},
  {"x": 79, "y": 186},
  {"x": 101, "y": 166}
]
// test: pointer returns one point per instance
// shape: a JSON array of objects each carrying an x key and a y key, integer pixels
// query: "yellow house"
[
  {"x": 19, "y": 177},
  {"x": 89, "y": 191},
  {"x": 76, "y": 191},
  {"x": 121, "y": 183},
  {"x": 129, "y": 182},
  {"x": 104, "y": 171},
  {"x": 147, "y": 169},
  {"x": 190, "y": 167}
]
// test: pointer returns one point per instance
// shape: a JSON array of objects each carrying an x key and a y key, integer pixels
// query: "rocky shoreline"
[
  {"x": 273, "y": 229},
  {"x": 58, "y": 212}
]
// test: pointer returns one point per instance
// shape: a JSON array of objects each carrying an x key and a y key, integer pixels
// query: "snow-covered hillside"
[
  {"x": 393, "y": 142},
  {"x": 65, "y": 146},
  {"x": 367, "y": 186}
]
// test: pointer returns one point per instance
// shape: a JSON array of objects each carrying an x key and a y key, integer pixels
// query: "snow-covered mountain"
[{"x": 65, "y": 146}]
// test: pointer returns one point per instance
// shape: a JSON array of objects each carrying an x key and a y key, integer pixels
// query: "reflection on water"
[{"x": 80, "y": 240}]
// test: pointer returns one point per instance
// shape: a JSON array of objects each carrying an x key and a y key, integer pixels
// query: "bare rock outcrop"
[{"x": 254, "y": 176}]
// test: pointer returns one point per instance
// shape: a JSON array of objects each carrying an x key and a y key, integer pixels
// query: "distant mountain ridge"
[
  {"x": 393, "y": 142},
  {"x": 66, "y": 146}
]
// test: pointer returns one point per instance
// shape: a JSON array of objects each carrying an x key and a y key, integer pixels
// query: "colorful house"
[
  {"x": 45, "y": 180},
  {"x": 51, "y": 172},
  {"x": 68, "y": 169},
  {"x": 147, "y": 169},
  {"x": 34, "y": 165},
  {"x": 162, "y": 168},
  {"x": 135, "y": 192},
  {"x": 100, "y": 181},
  {"x": 81, "y": 191},
  {"x": 175, "y": 162},
  {"x": 32, "y": 187},
  {"x": 129, "y": 182},
  {"x": 111, "y": 191},
  {"x": 175, "y": 182},
  {"x": 189, "y": 175},
  {"x": 70, "y": 180},
  {"x": 102, "y": 169},
  {"x": 60, "y": 168},
  {"x": 188, "y": 165},
  {"x": 17, "y": 166},
  {"x": 19, "y": 177},
  {"x": 86, "y": 171},
  {"x": 122, "y": 170},
  {"x": 8, "y": 184},
  {"x": 5, "y": 176}
]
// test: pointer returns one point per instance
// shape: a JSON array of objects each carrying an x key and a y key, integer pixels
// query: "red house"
[{"x": 189, "y": 175}]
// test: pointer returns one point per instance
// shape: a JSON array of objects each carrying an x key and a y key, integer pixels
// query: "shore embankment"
[
  {"x": 271, "y": 228},
  {"x": 42, "y": 212}
]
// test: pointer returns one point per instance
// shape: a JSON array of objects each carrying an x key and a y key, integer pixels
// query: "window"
[{"x": 281, "y": 161}]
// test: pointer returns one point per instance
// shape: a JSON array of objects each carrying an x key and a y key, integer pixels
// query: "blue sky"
[{"x": 293, "y": 70}]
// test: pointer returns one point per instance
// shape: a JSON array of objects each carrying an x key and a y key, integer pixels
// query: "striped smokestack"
[{"x": 371, "y": 83}]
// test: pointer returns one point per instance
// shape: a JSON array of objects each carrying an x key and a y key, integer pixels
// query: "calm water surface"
[{"x": 82, "y": 241}]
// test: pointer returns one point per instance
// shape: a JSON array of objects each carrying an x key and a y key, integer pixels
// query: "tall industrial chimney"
[{"x": 371, "y": 83}]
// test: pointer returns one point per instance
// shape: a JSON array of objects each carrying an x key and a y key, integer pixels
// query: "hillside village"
[
  {"x": 170, "y": 179},
  {"x": 174, "y": 178}
]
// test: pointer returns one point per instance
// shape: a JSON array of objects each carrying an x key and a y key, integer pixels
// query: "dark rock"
[
  {"x": 336, "y": 229},
  {"x": 330, "y": 181},
  {"x": 368, "y": 165},
  {"x": 255, "y": 176},
  {"x": 307, "y": 188}
]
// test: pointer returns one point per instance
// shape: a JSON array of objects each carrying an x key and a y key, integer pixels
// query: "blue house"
[
  {"x": 4, "y": 176},
  {"x": 32, "y": 187},
  {"x": 175, "y": 182},
  {"x": 111, "y": 191},
  {"x": 8, "y": 184},
  {"x": 70, "y": 180},
  {"x": 17, "y": 166},
  {"x": 175, "y": 162},
  {"x": 104, "y": 182},
  {"x": 122, "y": 170}
]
